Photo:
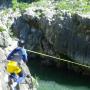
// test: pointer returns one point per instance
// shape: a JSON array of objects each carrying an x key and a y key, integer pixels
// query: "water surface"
[{"x": 51, "y": 78}]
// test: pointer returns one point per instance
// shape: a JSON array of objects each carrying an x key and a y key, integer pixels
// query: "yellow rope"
[{"x": 59, "y": 59}]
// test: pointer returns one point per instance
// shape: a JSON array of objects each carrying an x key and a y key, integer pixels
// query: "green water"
[{"x": 55, "y": 79}]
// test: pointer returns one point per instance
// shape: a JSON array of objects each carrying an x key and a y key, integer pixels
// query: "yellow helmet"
[{"x": 12, "y": 67}]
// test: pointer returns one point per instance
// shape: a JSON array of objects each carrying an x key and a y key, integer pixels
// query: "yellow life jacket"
[{"x": 12, "y": 67}]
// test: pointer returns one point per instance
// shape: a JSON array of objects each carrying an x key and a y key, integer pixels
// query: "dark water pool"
[{"x": 51, "y": 78}]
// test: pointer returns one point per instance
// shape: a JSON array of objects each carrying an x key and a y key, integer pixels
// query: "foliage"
[
  {"x": 15, "y": 4},
  {"x": 21, "y": 5},
  {"x": 2, "y": 29},
  {"x": 35, "y": 81},
  {"x": 69, "y": 5},
  {"x": 74, "y": 5}
]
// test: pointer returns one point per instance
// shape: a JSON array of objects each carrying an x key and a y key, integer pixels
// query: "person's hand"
[{"x": 25, "y": 62}]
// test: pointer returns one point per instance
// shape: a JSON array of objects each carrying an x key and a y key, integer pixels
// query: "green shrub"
[
  {"x": 74, "y": 5},
  {"x": 21, "y": 5},
  {"x": 2, "y": 29}
]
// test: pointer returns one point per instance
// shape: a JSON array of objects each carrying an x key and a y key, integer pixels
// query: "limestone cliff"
[{"x": 55, "y": 32}]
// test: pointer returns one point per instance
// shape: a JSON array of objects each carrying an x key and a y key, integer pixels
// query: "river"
[{"x": 51, "y": 78}]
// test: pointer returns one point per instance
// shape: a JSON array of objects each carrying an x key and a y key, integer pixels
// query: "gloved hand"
[{"x": 14, "y": 85}]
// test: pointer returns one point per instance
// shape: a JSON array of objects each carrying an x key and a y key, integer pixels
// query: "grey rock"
[{"x": 5, "y": 39}]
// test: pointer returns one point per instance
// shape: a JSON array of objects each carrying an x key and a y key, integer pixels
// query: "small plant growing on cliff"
[
  {"x": 23, "y": 6},
  {"x": 15, "y": 4},
  {"x": 20, "y": 5},
  {"x": 35, "y": 81},
  {"x": 2, "y": 29}
]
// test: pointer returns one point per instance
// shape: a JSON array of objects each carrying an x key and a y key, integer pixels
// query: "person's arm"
[
  {"x": 9, "y": 57},
  {"x": 24, "y": 55}
]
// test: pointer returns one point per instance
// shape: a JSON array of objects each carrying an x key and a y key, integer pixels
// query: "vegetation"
[
  {"x": 2, "y": 29},
  {"x": 21, "y": 5},
  {"x": 69, "y": 5},
  {"x": 74, "y": 5}
]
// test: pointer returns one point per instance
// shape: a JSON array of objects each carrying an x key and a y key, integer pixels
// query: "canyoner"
[
  {"x": 18, "y": 54},
  {"x": 17, "y": 72},
  {"x": 16, "y": 76}
]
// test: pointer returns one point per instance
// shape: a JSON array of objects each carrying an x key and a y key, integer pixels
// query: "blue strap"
[{"x": 14, "y": 77}]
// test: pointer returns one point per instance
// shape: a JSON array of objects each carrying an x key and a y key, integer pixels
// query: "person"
[
  {"x": 19, "y": 54},
  {"x": 14, "y": 70}
]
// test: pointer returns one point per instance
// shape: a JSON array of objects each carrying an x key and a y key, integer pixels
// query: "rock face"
[
  {"x": 7, "y": 17},
  {"x": 55, "y": 32},
  {"x": 5, "y": 3},
  {"x": 25, "y": 1},
  {"x": 4, "y": 39},
  {"x": 3, "y": 57}
]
